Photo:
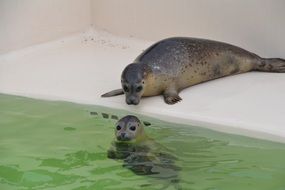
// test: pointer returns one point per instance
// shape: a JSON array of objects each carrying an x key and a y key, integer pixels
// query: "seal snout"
[
  {"x": 132, "y": 101},
  {"x": 123, "y": 137}
]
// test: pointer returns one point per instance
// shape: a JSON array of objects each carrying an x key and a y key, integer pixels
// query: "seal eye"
[
  {"x": 126, "y": 89},
  {"x": 119, "y": 127},
  {"x": 133, "y": 128},
  {"x": 139, "y": 88}
]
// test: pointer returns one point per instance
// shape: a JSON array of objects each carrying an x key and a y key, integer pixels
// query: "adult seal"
[{"x": 173, "y": 64}]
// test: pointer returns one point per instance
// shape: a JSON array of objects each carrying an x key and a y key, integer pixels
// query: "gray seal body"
[{"x": 173, "y": 64}]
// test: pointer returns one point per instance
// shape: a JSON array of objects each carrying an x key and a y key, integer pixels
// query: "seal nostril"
[
  {"x": 128, "y": 101},
  {"x": 131, "y": 100}
]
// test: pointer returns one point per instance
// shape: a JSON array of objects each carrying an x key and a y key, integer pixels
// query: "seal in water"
[
  {"x": 170, "y": 65},
  {"x": 141, "y": 154}
]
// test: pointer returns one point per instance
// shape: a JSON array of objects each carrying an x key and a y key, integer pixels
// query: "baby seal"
[
  {"x": 140, "y": 154},
  {"x": 173, "y": 64}
]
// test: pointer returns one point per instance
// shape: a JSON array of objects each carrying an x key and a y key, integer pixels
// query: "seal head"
[
  {"x": 140, "y": 154},
  {"x": 129, "y": 128},
  {"x": 132, "y": 80}
]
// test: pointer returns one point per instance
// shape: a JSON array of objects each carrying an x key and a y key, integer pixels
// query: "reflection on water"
[
  {"x": 56, "y": 145},
  {"x": 73, "y": 160},
  {"x": 146, "y": 159}
]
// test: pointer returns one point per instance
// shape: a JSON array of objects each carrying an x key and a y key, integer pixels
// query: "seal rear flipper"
[
  {"x": 271, "y": 65},
  {"x": 113, "y": 93}
]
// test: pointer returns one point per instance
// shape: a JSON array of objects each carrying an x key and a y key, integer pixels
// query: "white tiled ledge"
[{"x": 80, "y": 68}]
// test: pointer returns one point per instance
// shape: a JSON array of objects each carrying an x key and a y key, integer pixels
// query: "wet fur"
[{"x": 144, "y": 156}]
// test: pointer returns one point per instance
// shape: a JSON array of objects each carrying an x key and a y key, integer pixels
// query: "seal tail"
[
  {"x": 113, "y": 93},
  {"x": 271, "y": 65}
]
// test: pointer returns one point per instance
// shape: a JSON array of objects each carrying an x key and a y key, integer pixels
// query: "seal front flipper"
[
  {"x": 171, "y": 98},
  {"x": 113, "y": 93},
  {"x": 111, "y": 154}
]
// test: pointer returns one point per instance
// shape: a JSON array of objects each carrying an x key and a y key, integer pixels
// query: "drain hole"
[
  {"x": 93, "y": 113},
  {"x": 114, "y": 117},
  {"x": 105, "y": 115}
]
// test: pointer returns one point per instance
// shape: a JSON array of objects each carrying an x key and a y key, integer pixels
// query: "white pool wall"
[
  {"x": 27, "y": 22},
  {"x": 256, "y": 25}
]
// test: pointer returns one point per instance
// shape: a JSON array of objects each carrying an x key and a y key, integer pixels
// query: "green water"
[{"x": 59, "y": 145}]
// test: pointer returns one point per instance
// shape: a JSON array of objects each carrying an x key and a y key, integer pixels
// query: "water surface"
[{"x": 60, "y": 145}]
